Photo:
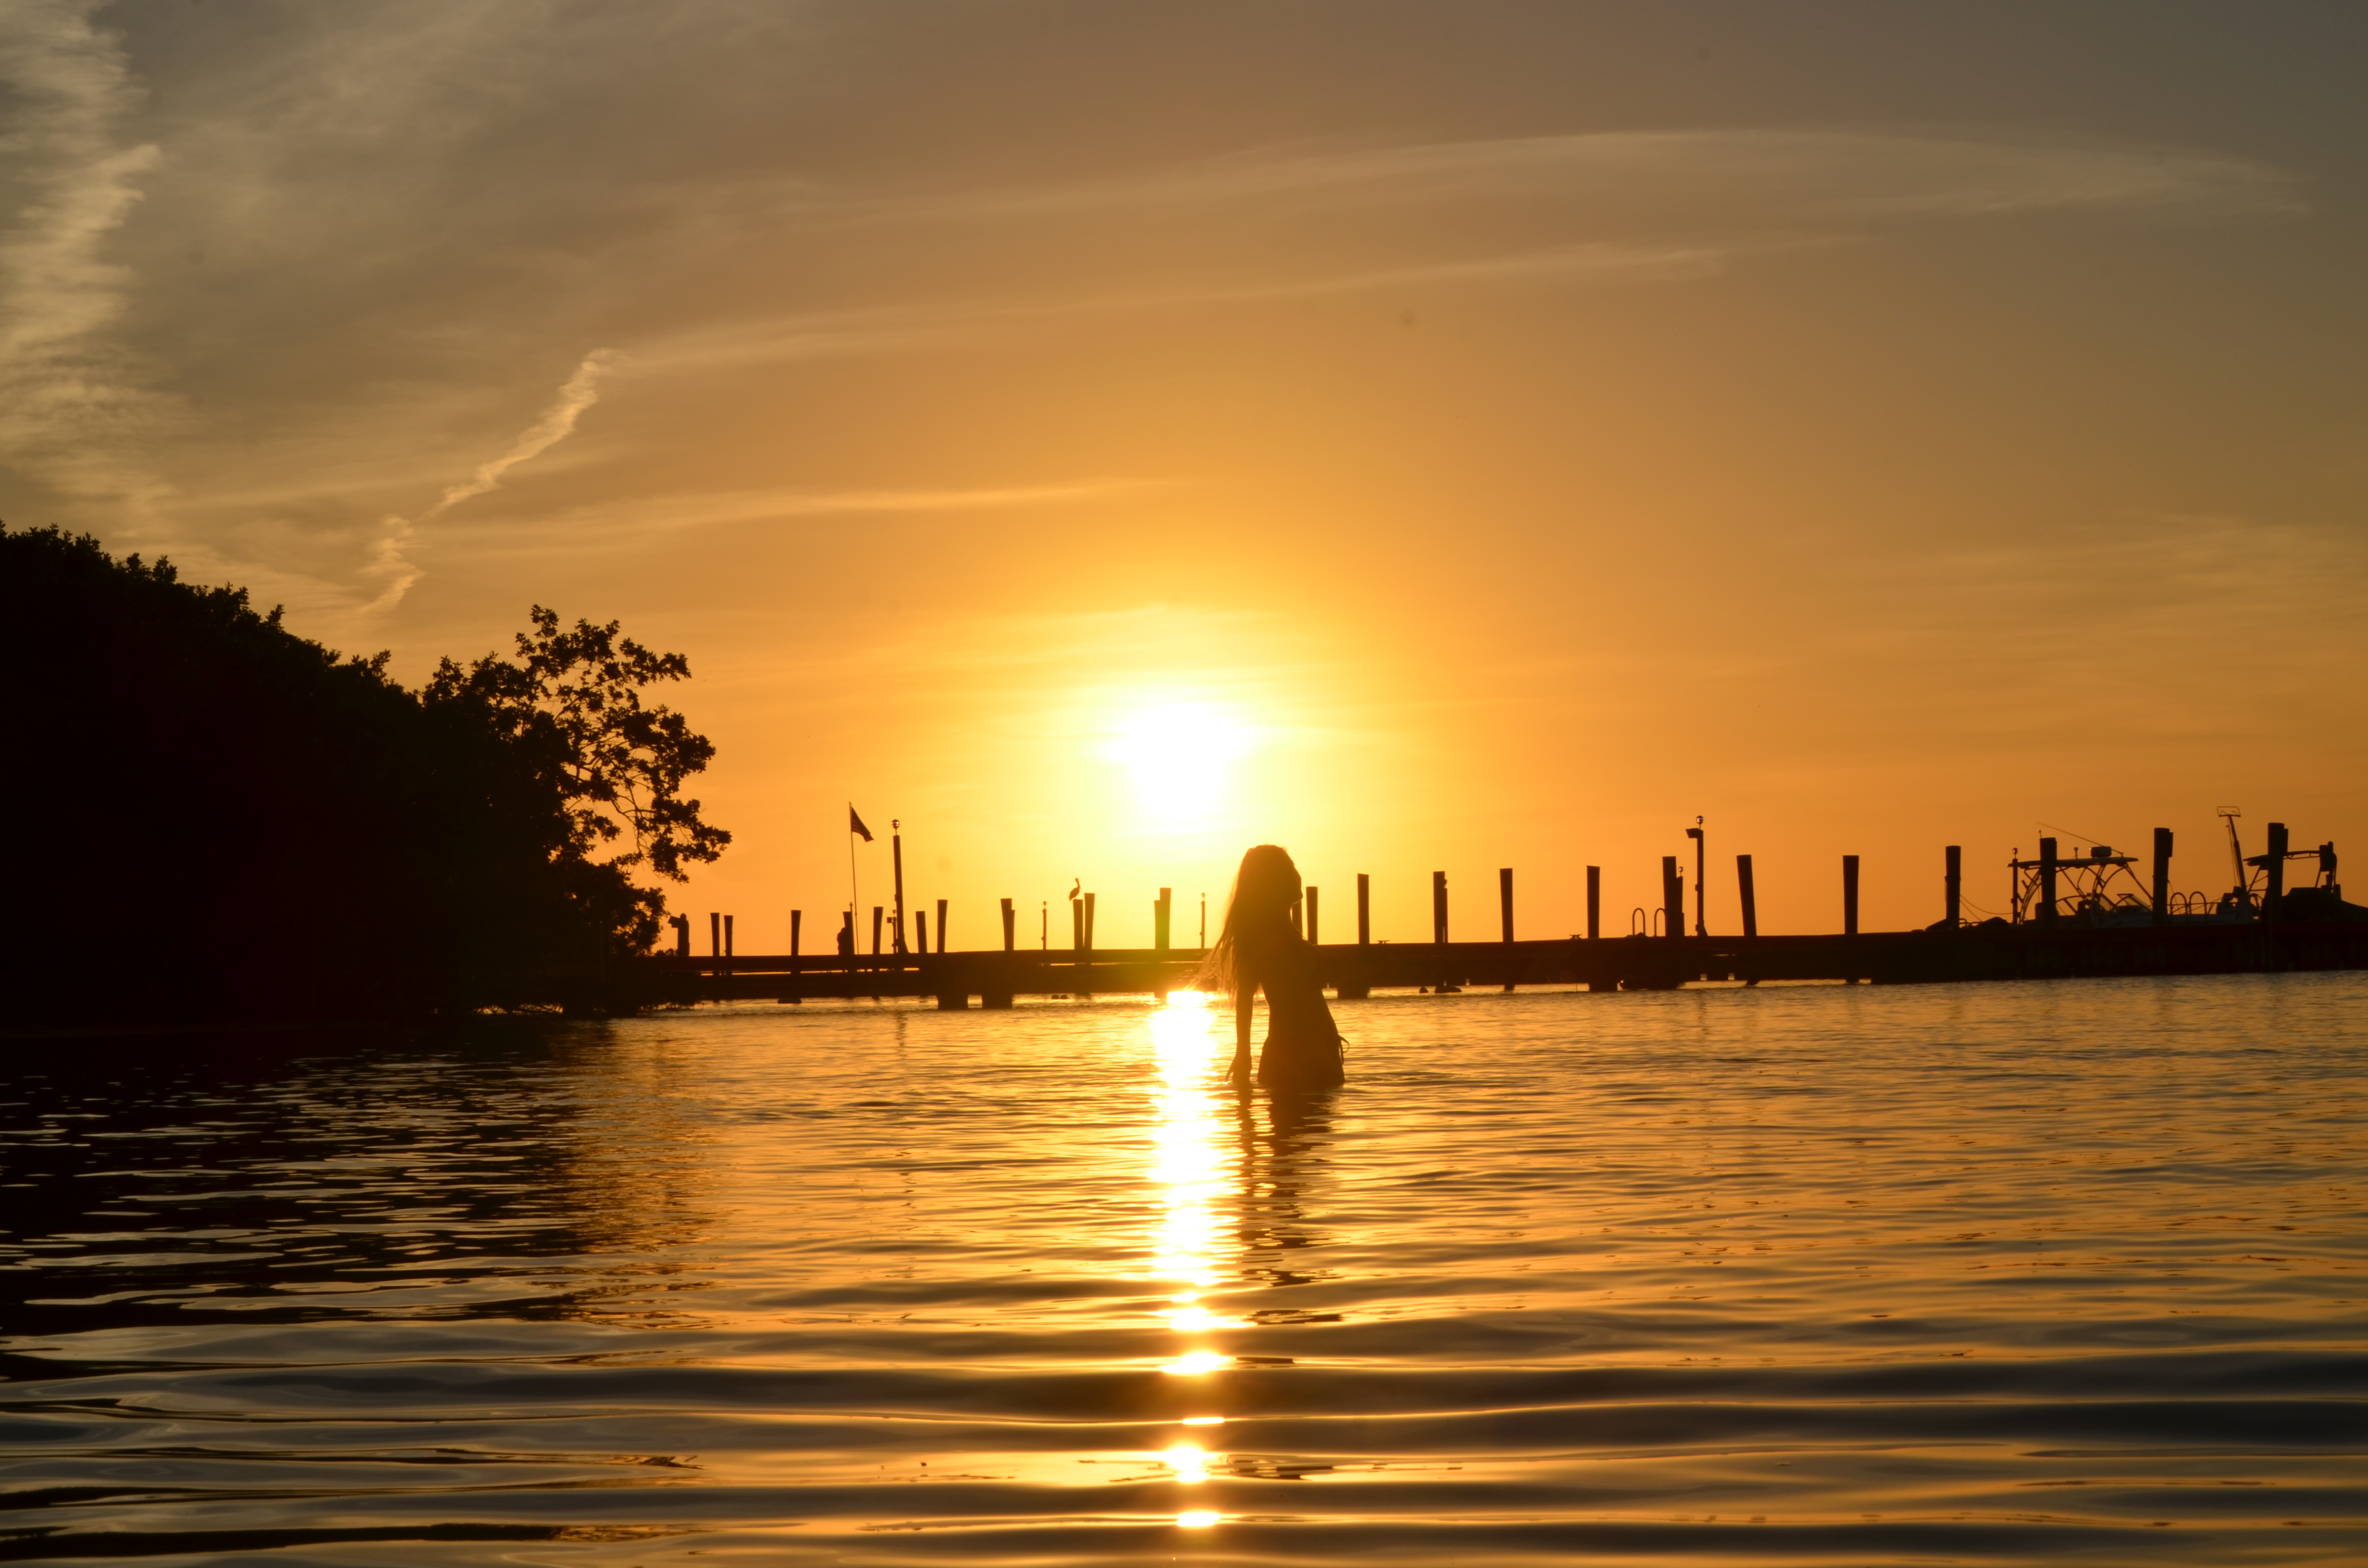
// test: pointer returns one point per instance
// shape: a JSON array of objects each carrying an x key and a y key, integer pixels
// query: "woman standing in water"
[{"x": 1258, "y": 951}]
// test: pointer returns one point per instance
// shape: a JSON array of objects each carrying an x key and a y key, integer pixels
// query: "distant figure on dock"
[{"x": 1258, "y": 951}]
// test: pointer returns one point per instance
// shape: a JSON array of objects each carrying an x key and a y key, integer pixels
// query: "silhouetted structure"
[
  {"x": 215, "y": 819},
  {"x": 2096, "y": 931}
]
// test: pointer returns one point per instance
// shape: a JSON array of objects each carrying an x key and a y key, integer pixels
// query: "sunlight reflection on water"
[{"x": 1981, "y": 1273}]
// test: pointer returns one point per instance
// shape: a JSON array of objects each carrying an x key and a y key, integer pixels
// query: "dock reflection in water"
[{"x": 2014, "y": 1272}]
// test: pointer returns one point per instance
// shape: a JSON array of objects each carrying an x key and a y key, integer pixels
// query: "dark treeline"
[{"x": 213, "y": 818}]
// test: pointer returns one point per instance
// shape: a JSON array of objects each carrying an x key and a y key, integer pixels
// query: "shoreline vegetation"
[{"x": 219, "y": 822}]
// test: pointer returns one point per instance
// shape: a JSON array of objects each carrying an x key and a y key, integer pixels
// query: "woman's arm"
[{"x": 1239, "y": 1072}]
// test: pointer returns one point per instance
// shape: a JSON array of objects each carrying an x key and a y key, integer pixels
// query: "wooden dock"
[{"x": 2029, "y": 951}]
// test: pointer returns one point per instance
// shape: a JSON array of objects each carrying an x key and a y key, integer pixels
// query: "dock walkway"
[{"x": 1632, "y": 963}]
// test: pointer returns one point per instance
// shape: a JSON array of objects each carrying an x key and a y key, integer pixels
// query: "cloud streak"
[
  {"x": 390, "y": 562},
  {"x": 1801, "y": 172},
  {"x": 67, "y": 400}
]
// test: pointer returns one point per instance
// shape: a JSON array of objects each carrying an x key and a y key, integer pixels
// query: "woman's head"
[
  {"x": 1267, "y": 883},
  {"x": 1258, "y": 913}
]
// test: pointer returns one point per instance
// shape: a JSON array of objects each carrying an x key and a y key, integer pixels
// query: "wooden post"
[
  {"x": 1159, "y": 921},
  {"x": 2047, "y": 881},
  {"x": 2162, "y": 876},
  {"x": 1953, "y": 885},
  {"x": 1089, "y": 922},
  {"x": 921, "y": 933},
  {"x": 896, "y": 848},
  {"x": 1594, "y": 904},
  {"x": 715, "y": 936},
  {"x": 958, "y": 999},
  {"x": 682, "y": 936},
  {"x": 1673, "y": 898},
  {"x": 1077, "y": 924},
  {"x": 1364, "y": 910},
  {"x": 797, "y": 923},
  {"x": 727, "y": 943},
  {"x": 1313, "y": 925},
  {"x": 1702, "y": 899},
  {"x": 877, "y": 912},
  {"x": 1849, "y": 895},
  {"x": 2273, "y": 859},
  {"x": 1438, "y": 908},
  {"x": 1750, "y": 895},
  {"x": 1504, "y": 911},
  {"x": 997, "y": 993}
]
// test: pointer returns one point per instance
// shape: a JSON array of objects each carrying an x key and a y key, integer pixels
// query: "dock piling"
[
  {"x": 1749, "y": 894},
  {"x": 941, "y": 927},
  {"x": 1364, "y": 910},
  {"x": 2162, "y": 876},
  {"x": 797, "y": 919},
  {"x": 1505, "y": 904},
  {"x": 2273, "y": 860},
  {"x": 1673, "y": 898},
  {"x": 1010, "y": 924},
  {"x": 2047, "y": 863},
  {"x": 1438, "y": 908},
  {"x": 1595, "y": 903},
  {"x": 1702, "y": 899},
  {"x": 921, "y": 933},
  {"x": 1952, "y": 886},
  {"x": 1849, "y": 895},
  {"x": 1159, "y": 911}
]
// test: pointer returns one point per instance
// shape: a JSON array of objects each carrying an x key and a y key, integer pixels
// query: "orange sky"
[{"x": 1425, "y": 437}]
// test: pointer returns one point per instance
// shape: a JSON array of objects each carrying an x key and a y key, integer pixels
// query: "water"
[{"x": 1815, "y": 1274}]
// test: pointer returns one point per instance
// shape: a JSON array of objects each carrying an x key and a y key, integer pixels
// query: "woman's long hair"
[{"x": 1258, "y": 911}]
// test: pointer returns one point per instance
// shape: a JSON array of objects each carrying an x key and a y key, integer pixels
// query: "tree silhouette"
[
  {"x": 573, "y": 699},
  {"x": 212, "y": 818}
]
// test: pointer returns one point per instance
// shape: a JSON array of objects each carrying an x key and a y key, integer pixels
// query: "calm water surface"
[{"x": 1819, "y": 1274}]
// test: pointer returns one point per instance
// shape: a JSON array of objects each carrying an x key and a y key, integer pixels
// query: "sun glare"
[{"x": 1181, "y": 755}]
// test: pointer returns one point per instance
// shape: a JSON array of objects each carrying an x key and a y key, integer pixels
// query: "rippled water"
[{"x": 1815, "y": 1274}]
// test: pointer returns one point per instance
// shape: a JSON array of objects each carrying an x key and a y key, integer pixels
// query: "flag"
[{"x": 855, "y": 824}]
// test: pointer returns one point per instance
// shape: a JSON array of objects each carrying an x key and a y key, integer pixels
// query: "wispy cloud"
[
  {"x": 645, "y": 516},
  {"x": 390, "y": 563},
  {"x": 67, "y": 400},
  {"x": 1801, "y": 172}
]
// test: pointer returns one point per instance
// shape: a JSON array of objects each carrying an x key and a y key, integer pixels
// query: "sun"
[{"x": 1181, "y": 757}]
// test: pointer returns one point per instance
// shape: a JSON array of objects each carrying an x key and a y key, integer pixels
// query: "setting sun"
[{"x": 1181, "y": 755}]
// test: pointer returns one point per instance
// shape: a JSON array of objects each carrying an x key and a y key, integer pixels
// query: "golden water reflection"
[{"x": 1195, "y": 1119}]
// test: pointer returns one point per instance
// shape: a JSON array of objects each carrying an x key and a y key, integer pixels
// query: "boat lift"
[{"x": 2091, "y": 887}]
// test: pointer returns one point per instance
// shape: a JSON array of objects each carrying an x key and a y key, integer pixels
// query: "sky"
[{"x": 1102, "y": 437}]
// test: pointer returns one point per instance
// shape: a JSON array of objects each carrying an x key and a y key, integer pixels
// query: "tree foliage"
[
  {"x": 573, "y": 701},
  {"x": 214, "y": 818}
]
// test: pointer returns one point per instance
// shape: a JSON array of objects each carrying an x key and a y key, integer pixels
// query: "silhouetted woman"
[{"x": 1257, "y": 950}]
